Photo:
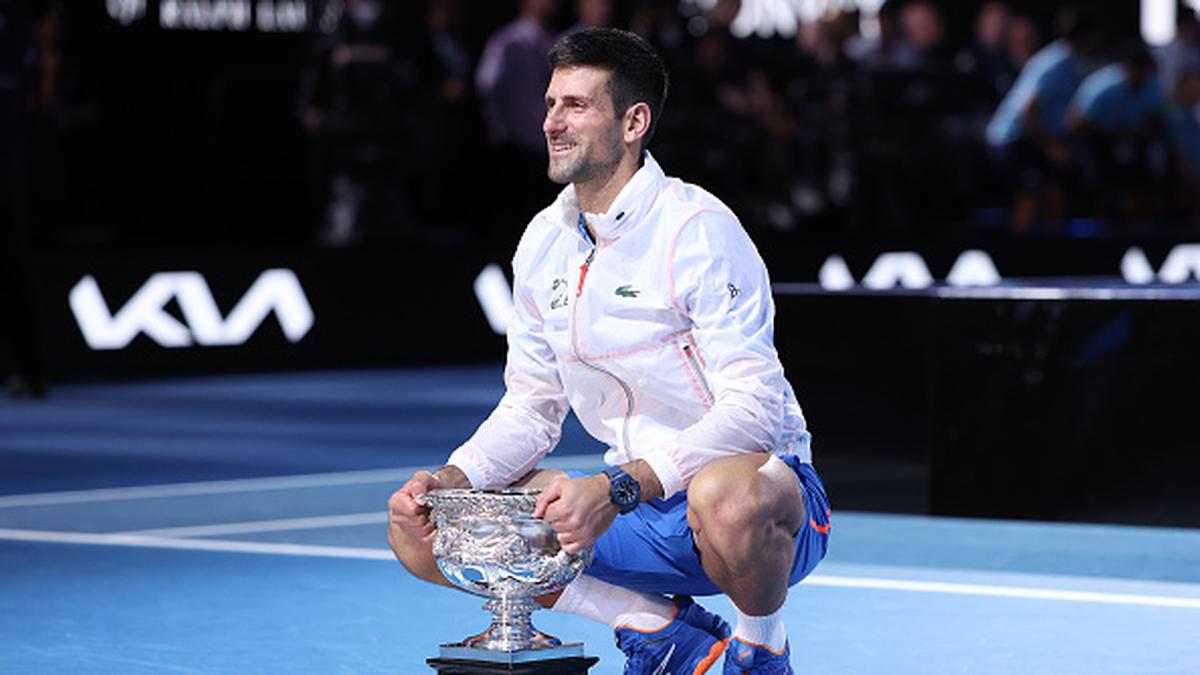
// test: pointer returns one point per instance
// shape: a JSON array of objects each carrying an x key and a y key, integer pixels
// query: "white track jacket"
[{"x": 659, "y": 338}]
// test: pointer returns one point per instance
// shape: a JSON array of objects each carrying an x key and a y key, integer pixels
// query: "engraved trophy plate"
[{"x": 488, "y": 543}]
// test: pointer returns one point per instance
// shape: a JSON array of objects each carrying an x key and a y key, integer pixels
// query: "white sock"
[
  {"x": 617, "y": 607},
  {"x": 764, "y": 631}
]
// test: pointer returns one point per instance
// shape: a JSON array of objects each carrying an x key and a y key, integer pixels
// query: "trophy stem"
[{"x": 512, "y": 627}]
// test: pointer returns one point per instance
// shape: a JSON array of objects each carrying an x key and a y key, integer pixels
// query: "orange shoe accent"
[
  {"x": 823, "y": 529},
  {"x": 764, "y": 647},
  {"x": 713, "y": 654}
]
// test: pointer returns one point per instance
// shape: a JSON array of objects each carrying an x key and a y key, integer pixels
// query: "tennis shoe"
[
  {"x": 689, "y": 645},
  {"x": 744, "y": 658}
]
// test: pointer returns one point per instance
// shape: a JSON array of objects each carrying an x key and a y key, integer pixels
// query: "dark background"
[{"x": 148, "y": 136}]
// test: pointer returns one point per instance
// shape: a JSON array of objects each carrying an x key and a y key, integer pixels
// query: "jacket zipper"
[
  {"x": 694, "y": 365},
  {"x": 583, "y": 270}
]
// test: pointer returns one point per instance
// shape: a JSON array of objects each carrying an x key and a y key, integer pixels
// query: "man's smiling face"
[{"x": 583, "y": 131}]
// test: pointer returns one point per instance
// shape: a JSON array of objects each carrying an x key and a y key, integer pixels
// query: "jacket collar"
[{"x": 627, "y": 209}]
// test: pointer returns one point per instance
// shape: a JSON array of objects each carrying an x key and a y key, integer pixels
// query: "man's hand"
[
  {"x": 409, "y": 513},
  {"x": 579, "y": 509}
]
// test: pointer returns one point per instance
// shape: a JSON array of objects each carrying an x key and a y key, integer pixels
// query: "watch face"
[{"x": 625, "y": 491}]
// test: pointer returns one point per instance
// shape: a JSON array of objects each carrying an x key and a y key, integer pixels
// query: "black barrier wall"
[
  {"x": 198, "y": 309},
  {"x": 1038, "y": 402},
  {"x": 1031, "y": 398}
]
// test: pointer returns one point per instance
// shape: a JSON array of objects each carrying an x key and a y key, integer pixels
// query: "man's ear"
[{"x": 637, "y": 122}]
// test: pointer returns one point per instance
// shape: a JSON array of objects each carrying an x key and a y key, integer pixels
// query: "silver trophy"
[{"x": 488, "y": 543}]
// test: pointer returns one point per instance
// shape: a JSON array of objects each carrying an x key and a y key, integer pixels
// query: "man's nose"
[{"x": 553, "y": 121}]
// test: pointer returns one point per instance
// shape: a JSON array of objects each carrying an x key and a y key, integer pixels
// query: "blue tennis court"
[{"x": 236, "y": 524}]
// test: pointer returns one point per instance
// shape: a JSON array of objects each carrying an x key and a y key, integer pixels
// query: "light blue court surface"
[{"x": 236, "y": 525}]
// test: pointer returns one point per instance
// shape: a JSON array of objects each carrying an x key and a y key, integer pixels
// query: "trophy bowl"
[{"x": 488, "y": 543}]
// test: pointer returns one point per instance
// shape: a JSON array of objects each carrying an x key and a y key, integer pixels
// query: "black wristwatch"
[{"x": 623, "y": 489}]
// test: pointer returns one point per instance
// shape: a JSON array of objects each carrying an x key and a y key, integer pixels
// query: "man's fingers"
[
  {"x": 547, "y": 497},
  {"x": 419, "y": 484},
  {"x": 405, "y": 505},
  {"x": 415, "y": 528},
  {"x": 406, "y": 510},
  {"x": 571, "y": 546},
  {"x": 407, "y": 501},
  {"x": 563, "y": 523}
]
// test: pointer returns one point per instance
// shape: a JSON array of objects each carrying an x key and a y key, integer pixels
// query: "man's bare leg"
[{"x": 745, "y": 522}]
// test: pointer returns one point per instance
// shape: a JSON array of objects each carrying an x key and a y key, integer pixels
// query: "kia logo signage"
[{"x": 275, "y": 290}]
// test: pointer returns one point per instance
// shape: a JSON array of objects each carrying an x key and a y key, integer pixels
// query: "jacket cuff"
[
  {"x": 668, "y": 472},
  {"x": 466, "y": 458}
]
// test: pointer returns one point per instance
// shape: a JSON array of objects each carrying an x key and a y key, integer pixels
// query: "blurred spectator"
[
  {"x": 1121, "y": 98},
  {"x": 1021, "y": 40},
  {"x": 444, "y": 20},
  {"x": 988, "y": 53},
  {"x": 1028, "y": 129},
  {"x": 818, "y": 95},
  {"x": 1183, "y": 137},
  {"x": 359, "y": 100},
  {"x": 511, "y": 82},
  {"x": 513, "y": 74},
  {"x": 1181, "y": 53},
  {"x": 890, "y": 130},
  {"x": 1116, "y": 114},
  {"x": 661, "y": 24},
  {"x": 925, "y": 29},
  {"x": 899, "y": 189},
  {"x": 20, "y": 362},
  {"x": 592, "y": 14},
  {"x": 829, "y": 71},
  {"x": 889, "y": 50},
  {"x": 711, "y": 130},
  {"x": 453, "y": 128}
]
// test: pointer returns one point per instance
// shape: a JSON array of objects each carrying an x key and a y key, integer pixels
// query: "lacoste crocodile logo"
[{"x": 627, "y": 291}]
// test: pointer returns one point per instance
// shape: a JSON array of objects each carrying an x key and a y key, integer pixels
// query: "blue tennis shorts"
[{"x": 651, "y": 549}]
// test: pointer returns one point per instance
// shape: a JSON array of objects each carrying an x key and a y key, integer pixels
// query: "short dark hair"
[{"x": 637, "y": 71}]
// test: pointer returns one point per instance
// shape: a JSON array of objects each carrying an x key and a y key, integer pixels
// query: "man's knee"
[
  {"x": 416, "y": 556},
  {"x": 734, "y": 495}
]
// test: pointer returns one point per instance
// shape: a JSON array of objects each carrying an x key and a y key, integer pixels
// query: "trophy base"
[
  {"x": 461, "y": 652},
  {"x": 563, "y": 659},
  {"x": 572, "y": 665}
]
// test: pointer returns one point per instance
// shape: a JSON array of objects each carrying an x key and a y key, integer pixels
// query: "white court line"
[
  {"x": 222, "y": 545},
  {"x": 277, "y": 525},
  {"x": 144, "y": 541},
  {"x": 211, "y": 487},
  {"x": 1002, "y": 591},
  {"x": 311, "y": 480}
]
